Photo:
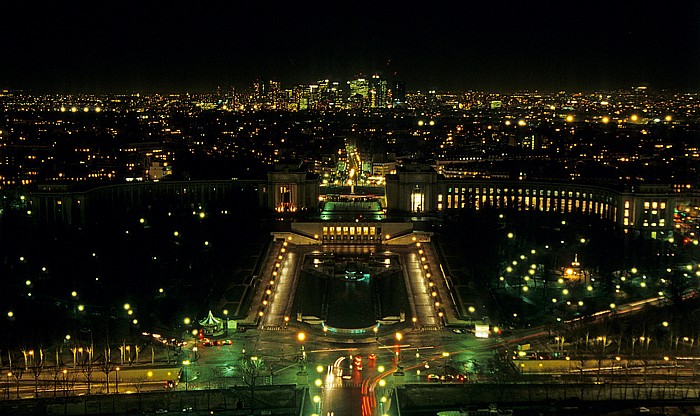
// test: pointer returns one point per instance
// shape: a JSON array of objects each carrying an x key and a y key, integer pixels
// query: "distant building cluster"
[{"x": 361, "y": 132}]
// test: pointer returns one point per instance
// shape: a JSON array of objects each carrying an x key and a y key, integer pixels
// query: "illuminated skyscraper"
[
  {"x": 359, "y": 91},
  {"x": 378, "y": 91},
  {"x": 398, "y": 94}
]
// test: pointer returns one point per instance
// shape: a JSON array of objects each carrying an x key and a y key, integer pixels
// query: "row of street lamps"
[
  {"x": 432, "y": 288},
  {"x": 270, "y": 287}
]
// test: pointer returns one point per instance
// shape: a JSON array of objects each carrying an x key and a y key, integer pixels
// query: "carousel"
[{"x": 212, "y": 326}]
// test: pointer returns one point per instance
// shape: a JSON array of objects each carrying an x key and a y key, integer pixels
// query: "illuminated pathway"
[
  {"x": 284, "y": 290},
  {"x": 419, "y": 296}
]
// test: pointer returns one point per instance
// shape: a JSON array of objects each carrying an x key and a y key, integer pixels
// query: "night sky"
[{"x": 488, "y": 45}]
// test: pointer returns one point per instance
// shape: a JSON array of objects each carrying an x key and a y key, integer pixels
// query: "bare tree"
[
  {"x": 138, "y": 383},
  {"x": 56, "y": 374},
  {"x": 17, "y": 374},
  {"x": 251, "y": 369},
  {"x": 86, "y": 368},
  {"x": 106, "y": 365},
  {"x": 36, "y": 371},
  {"x": 69, "y": 381}
]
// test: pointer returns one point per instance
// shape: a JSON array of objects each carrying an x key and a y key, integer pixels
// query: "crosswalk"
[
  {"x": 343, "y": 384},
  {"x": 272, "y": 328},
  {"x": 430, "y": 328}
]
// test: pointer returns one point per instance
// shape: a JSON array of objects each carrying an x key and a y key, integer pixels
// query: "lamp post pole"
[{"x": 186, "y": 363}]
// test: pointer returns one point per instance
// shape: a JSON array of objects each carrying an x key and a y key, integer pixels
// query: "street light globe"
[
  {"x": 74, "y": 293},
  {"x": 127, "y": 306},
  {"x": 187, "y": 321},
  {"x": 301, "y": 336},
  {"x": 318, "y": 382},
  {"x": 380, "y": 368},
  {"x": 319, "y": 369},
  {"x": 399, "y": 336},
  {"x": 382, "y": 383},
  {"x": 317, "y": 399}
]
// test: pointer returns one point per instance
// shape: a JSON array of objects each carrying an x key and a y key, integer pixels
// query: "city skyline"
[{"x": 114, "y": 48}]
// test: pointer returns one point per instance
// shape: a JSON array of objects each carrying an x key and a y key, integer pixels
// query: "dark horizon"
[{"x": 129, "y": 47}]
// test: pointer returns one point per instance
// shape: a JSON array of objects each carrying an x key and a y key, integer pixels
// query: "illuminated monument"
[{"x": 414, "y": 190}]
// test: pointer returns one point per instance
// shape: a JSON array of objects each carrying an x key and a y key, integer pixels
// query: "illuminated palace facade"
[
  {"x": 648, "y": 209},
  {"x": 413, "y": 190}
]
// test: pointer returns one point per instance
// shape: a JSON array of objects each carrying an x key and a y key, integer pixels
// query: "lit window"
[
  {"x": 627, "y": 204},
  {"x": 654, "y": 205},
  {"x": 417, "y": 202},
  {"x": 646, "y": 204}
]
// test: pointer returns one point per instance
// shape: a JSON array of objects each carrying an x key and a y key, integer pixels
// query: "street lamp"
[
  {"x": 317, "y": 400},
  {"x": 7, "y": 386},
  {"x": 301, "y": 336},
  {"x": 399, "y": 337},
  {"x": 446, "y": 356},
  {"x": 186, "y": 363},
  {"x": 116, "y": 380}
]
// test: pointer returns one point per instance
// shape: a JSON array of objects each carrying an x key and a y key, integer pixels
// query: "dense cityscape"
[
  {"x": 366, "y": 209},
  {"x": 562, "y": 226},
  {"x": 630, "y": 136}
]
